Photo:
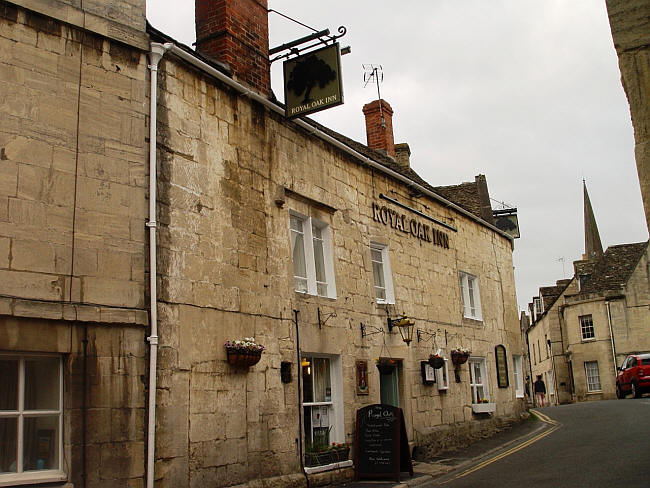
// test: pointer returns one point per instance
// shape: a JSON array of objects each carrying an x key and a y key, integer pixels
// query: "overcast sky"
[{"x": 526, "y": 92}]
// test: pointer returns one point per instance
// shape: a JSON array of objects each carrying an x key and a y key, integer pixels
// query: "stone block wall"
[
  {"x": 230, "y": 172},
  {"x": 631, "y": 35},
  {"x": 72, "y": 144}
]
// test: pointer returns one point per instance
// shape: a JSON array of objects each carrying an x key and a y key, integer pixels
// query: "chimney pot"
[{"x": 379, "y": 126}]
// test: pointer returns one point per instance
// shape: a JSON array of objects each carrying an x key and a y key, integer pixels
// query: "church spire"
[{"x": 593, "y": 247}]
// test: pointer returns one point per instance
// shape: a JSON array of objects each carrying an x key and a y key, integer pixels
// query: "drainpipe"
[
  {"x": 157, "y": 52},
  {"x": 611, "y": 337}
]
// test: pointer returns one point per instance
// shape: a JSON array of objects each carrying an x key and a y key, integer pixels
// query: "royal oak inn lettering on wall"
[{"x": 402, "y": 223}]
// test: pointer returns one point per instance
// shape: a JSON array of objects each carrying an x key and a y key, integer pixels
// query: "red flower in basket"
[{"x": 460, "y": 355}]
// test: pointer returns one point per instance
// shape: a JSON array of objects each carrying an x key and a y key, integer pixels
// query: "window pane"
[
  {"x": 8, "y": 384},
  {"x": 319, "y": 260},
  {"x": 8, "y": 440},
  {"x": 375, "y": 255},
  {"x": 307, "y": 380},
  {"x": 295, "y": 223},
  {"x": 42, "y": 384},
  {"x": 378, "y": 272},
  {"x": 300, "y": 284},
  {"x": 41, "y": 443},
  {"x": 478, "y": 379},
  {"x": 322, "y": 386},
  {"x": 298, "y": 253}
]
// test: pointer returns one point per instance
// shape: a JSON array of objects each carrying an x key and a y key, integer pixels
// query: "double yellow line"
[{"x": 544, "y": 418}]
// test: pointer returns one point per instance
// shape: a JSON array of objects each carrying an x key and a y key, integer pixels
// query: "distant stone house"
[
  {"x": 583, "y": 328},
  {"x": 139, "y": 233}
]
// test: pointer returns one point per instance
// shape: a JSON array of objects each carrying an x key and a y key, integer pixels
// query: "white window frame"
[
  {"x": 593, "y": 381},
  {"x": 518, "y": 373},
  {"x": 389, "y": 291},
  {"x": 309, "y": 240},
  {"x": 21, "y": 477},
  {"x": 550, "y": 382},
  {"x": 469, "y": 293},
  {"x": 538, "y": 303},
  {"x": 335, "y": 404},
  {"x": 584, "y": 326},
  {"x": 473, "y": 382}
]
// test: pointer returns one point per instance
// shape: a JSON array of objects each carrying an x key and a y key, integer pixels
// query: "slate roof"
[
  {"x": 550, "y": 294},
  {"x": 612, "y": 271},
  {"x": 465, "y": 195}
]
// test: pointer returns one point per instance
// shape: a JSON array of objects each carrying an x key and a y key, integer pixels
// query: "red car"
[{"x": 633, "y": 376}]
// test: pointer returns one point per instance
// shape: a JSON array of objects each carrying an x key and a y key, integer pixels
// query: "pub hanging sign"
[{"x": 312, "y": 82}]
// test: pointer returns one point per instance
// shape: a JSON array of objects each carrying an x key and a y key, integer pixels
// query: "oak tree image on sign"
[
  {"x": 312, "y": 82},
  {"x": 307, "y": 73}
]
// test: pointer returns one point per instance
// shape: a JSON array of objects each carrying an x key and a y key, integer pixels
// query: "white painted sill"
[
  {"x": 484, "y": 407},
  {"x": 328, "y": 467}
]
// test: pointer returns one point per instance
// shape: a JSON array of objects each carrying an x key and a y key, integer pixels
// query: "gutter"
[
  {"x": 184, "y": 55},
  {"x": 156, "y": 54}
]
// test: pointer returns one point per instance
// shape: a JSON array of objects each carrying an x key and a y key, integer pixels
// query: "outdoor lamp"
[{"x": 405, "y": 327}]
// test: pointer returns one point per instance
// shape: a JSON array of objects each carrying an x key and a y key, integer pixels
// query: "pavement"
[{"x": 459, "y": 459}]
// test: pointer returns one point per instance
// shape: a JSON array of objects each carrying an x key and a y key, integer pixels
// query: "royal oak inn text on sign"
[{"x": 401, "y": 222}]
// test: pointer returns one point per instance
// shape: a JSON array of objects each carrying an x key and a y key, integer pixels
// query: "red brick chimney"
[
  {"x": 236, "y": 32},
  {"x": 379, "y": 126}
]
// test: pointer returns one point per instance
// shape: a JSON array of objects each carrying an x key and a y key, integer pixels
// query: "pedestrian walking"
[{"x": 540, "y": 391}]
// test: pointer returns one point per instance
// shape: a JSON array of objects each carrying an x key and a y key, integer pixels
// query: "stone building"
[
  {"x": 155, "y": 203},
  {"x": 584, "y": 327},
  {"x": 628, "y": 20}
]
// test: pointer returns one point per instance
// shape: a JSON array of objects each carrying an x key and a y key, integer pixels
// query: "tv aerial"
[{"x": 373, "y": 73}]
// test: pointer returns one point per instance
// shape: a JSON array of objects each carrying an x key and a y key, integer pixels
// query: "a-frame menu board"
[{"x": 382, "y": 450}]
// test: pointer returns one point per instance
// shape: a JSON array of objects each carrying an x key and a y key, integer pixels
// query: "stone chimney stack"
[
  {"x": 403, "y": 154},
  {"x": 236, "y": 32},
  {"x": 379, "y": 126}
]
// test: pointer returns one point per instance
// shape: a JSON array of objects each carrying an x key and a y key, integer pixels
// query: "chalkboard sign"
[{"x": 382, "y": 447}]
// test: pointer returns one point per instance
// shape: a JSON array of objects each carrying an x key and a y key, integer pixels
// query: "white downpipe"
[
  {"x": 157, "y": 52},
  {"x": 326, "y": 137},
  {"x": 611, "y": 337}
]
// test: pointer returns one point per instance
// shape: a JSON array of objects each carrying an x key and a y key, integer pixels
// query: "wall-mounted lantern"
[{"x": 405, "y": 327}]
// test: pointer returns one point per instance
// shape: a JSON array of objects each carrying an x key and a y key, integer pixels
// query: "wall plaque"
[{"x": 502, "y": 366}]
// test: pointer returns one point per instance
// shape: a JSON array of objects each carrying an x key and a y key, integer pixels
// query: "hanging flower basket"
[
  {"x": 385, "y": 365},
  {"x": 460, "y": 356},
  {"x": 243, "y": 359},
  {"x": 436, "y": 361},
  {"x": 244, "y": 353}
]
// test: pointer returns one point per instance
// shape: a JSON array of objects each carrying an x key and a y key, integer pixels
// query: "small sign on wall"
[
  {"x": 362, "y": 377},
  {"x": 502, "y": 366}
]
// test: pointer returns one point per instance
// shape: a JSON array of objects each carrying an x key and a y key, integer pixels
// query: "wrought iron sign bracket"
[
  {"x": 376, "y": 330},
  {"x": 322, "y": 321},
  {"x": 322, "y": 37},
  {"x": 429, "y": 335}
]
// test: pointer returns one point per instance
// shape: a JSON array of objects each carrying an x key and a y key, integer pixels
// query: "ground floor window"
[
  {"x": 518, "y": 376},
  {"x": 593, "y": 376},
  {"x": 31, "y": 418},
  {"x": 478, "y": 380},
  {"x": 322, "y": 401},
  {"x": 551, "y": 386}
]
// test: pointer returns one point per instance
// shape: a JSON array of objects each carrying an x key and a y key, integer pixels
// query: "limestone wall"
[
  {"x": 72, "y": 197},
  {"x": 631, "y": 35},
  {"x": 73, "y": 161},
  {"x": 230, "y": 173}
]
